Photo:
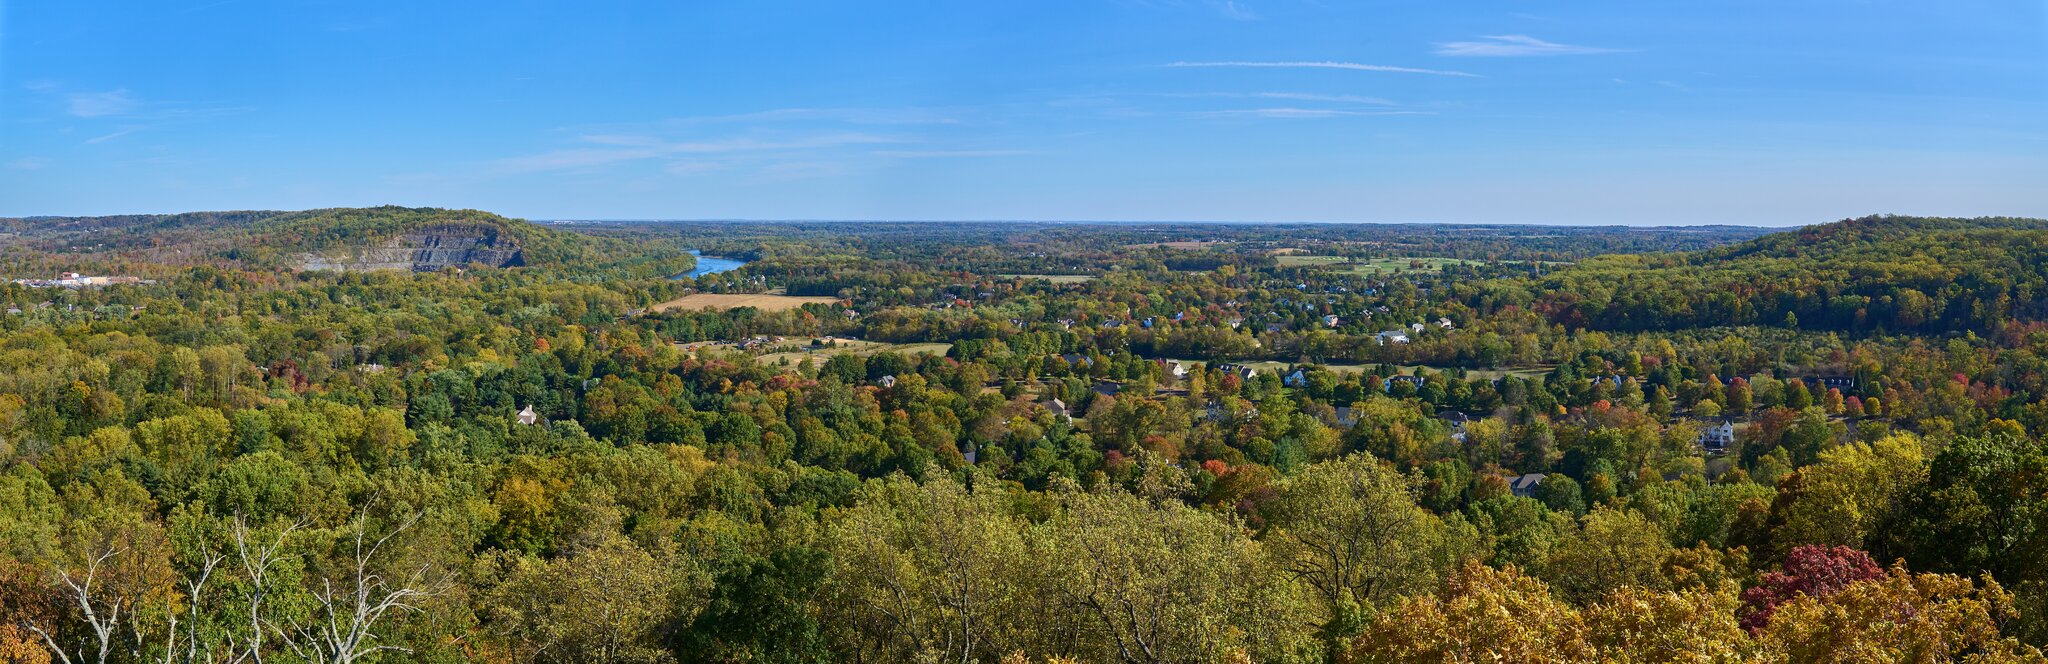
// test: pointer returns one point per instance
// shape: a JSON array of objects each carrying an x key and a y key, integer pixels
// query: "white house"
[{"x": 1718, "y": 437}]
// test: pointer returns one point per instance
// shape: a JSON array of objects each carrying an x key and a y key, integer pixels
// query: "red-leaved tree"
[{"x": 1813, "y": 570}]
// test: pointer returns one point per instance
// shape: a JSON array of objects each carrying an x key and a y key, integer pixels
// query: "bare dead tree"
[
  {"x": 102, "y": 614},
  {"x": 343, "y": 628},
  {"x": 195, "y": 588},
  {"x": 257, "y": 559}
]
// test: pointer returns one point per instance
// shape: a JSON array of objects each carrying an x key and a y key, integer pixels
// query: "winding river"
[{"x": 711, "y": 265}]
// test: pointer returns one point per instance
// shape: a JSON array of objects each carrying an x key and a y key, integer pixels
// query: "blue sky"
[{"x": 1729, "y": 111}]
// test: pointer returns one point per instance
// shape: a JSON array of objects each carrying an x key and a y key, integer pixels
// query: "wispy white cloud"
[
  {"x": 861, "y": 116},
  {"x": 1230, "y": 9},
  {"x": 1353, "y": 66},
  {"x": 1233, "y": 11},
  {"x": 99, "y": 104},
  {"x": 1291, "y": 113},
  {"x": 1361, "y": 100},
  {"x": 102, "y": 138},
  {"x": 618, "y": 148},
  {"x": 623, "y": 140},
  {"x": 1334, "y": 99},
  {"x": 1515, "y": 46},
  {"x": 687, "y": 168},
  {"x": 946, "y": 154},
  {"x": 27, "y": 164},
  {"x": 800, "y": 170},
  {"x": 120, "y": 105}
]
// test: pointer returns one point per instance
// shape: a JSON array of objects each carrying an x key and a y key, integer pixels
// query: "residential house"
[
  {"x": 1824, "y": 383},
  {"x": 1216, "y": 412},
  {"x": 1241, "y": 371},
  {"x": 1524, "y": 486},
  {"x": 1416, "y": 381},
  {"x": 1719, "y": 437},
  {"x": 527, "y": 416}
]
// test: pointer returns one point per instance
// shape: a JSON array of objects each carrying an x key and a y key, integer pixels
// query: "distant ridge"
[
  {"x": 1876, "y": 273},
  {"x": 374, "y": 238}
]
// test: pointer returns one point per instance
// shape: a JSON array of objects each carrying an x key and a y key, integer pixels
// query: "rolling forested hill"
[
  {"x": 1901, "y": 274},
  {"x": 386, "y": 237},
  {"x": 1336, "y": 444}
]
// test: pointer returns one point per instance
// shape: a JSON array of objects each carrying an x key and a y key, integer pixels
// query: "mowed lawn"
[
  {"x": 1299, "y": 260},
  {"x": 724, "y": 301},
  {"x": 1407, "y": 264}
]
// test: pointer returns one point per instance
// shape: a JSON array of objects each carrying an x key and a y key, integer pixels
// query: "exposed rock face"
[{"x": 428, "y": 249}]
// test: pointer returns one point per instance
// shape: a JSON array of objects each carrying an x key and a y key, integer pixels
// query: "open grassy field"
[
  {"x": 1055, "y": 278},
  {"x": 724, "y": 301},
  {"x": 1488, "y": 374},
  {"x": 854, "y": 347},
  {"x": 1261, "y": 366},
  {"x": 1298, "y": 260},
  {"x": 1406, "y": 264}
]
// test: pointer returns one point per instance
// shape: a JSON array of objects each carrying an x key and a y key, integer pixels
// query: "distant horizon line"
[{"x": 1124, "y": 222}]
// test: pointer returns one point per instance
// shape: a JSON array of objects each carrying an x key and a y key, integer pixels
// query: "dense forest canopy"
[
  {"x": 886, "y": 442},
  {"x": 1861, "y": 275}
]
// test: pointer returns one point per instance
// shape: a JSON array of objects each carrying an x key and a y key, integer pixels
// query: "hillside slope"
[
  {"x": 1869, "y": 274},
  {"x": 379, "y": 238}
]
